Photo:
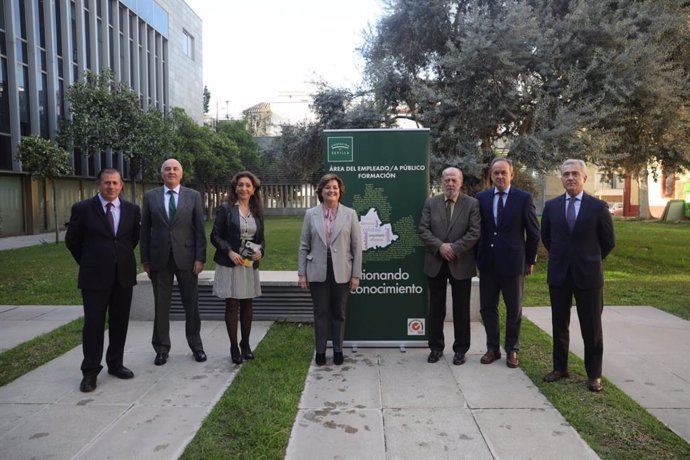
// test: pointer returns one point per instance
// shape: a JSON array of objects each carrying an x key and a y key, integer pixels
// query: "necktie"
[
  {"x": 570, "y": 213},
  {"x": 171, "y": 206},
  {"x": 499, "y": 207},
  {"x": 109, "y": 217},
  {"x": 449, "y": 209}
]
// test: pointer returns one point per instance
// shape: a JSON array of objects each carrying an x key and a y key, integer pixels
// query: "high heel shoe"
[
  {"x": 235, "y": 354},
  {"x": 246, "y": 351}
]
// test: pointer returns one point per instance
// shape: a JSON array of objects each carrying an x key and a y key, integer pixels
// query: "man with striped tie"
[{"x": 577, "y": 230}]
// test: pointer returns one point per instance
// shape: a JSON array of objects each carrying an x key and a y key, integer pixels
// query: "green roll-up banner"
[{"x": 386, "y": 175}]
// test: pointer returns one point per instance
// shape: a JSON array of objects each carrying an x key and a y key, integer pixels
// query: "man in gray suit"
[
  {"x": 450, "y": 227},
  {"x": 173, "y": 243}
]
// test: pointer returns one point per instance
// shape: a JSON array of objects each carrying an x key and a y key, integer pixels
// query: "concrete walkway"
[
  {"x": 153, "y": 416},
  {"x": 380, "y": 404},
  {"x": 384, "y": 404},
  {"x": 646, "y": 354},
  {"x": 19, "y": 323}
]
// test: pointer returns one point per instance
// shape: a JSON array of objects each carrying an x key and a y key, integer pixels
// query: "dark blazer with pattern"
[
  {"x": 462, "y": 232},
  {"x": 581, "y": 251},
  {"x": 102, "y": 256}
]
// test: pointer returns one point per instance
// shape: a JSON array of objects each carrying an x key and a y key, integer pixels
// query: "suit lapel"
[
  {"x": 559, "y": 219},
  {"x": 338, "y": 223},
  {"x": 124, "y": 215},
  {"x": 318, "y": 223},
  {"x": 98, "y": 210}
]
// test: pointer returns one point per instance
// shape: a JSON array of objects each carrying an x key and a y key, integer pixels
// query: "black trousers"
[
  {"x": 187, "y": 283},
  {"x": 589, "y": 308},
  {"x": 491, "y": 285},
  {"x": 330, "y": 303},
  {"x": 114, "y": 303},
  {"x": 460, "y": 290}
]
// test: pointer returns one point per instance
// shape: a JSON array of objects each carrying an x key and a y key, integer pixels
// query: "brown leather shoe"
[
  {"x": 595, "y": 385},
  {"x": 490, "y": 356},
  {"x": 512, "y": 360},
  {"x": 554, "y": 376}
]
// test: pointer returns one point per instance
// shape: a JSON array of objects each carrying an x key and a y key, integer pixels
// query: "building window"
[{"x": 188, "y": 44}]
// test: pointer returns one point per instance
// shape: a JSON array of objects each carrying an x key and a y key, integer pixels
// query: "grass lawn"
[{"x": 649, "y": 266}]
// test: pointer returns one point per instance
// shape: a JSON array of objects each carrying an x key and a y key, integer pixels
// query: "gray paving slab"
[
  {"x": 427, "y": 410},
  {"x": 407, "y": 380},
  {"x": 154, "y": 415},
  {"x": 354, "y": 385},
  {"x": 484, "y": 386},
  {"x": 537, "y": 433},
  {"x": 20, "y": 323},
  {"x": 452, "y": 433},
  {"x": 354, "y": 434},
  {"x": 645, "y": 355}
]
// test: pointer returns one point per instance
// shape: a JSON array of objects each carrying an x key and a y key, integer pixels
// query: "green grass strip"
[
  {"x": 254, "y": 418},
  {"x": 30, "y": 355}
]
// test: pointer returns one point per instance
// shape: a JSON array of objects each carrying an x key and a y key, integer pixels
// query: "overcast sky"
[{"x": 254, "y": 49}]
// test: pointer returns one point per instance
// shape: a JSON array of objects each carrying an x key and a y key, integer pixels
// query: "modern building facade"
[{"x": 155, "y": 46}]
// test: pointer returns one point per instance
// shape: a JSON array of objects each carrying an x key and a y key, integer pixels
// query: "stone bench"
[{"x": 282, "y": 299}]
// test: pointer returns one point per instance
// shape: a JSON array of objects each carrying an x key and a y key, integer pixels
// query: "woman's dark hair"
[
  {"x": 256, "y": 203},
  {"x": 326, "y": 179}
]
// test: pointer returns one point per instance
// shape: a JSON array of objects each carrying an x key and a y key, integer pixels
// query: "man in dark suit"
[
  {"x": 173, "y": 243},
  {"x": 449, "y": 228},
  {"x": 577, "y": 230},
  {"x": 507, "y": 251},
  {"x": 101, "y": 235}
]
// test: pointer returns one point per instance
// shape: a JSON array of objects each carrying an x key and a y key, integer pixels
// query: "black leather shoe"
[
  {"x": 161, "y": 358},
  {"x": 459, "y": 358},
  {"x": 434, "y": 356},
  {"x": 555, "y": 376},
  {"x": 338, "y": 358},
  {"x": 235, "y": 354},
  {"x": 121, "y": 373},
  {"x": 246, "y": 352},
  {"x": 320, "y": 359},
  {"x": 88, "y": 384},
  {"x": 200, "y": 356}
]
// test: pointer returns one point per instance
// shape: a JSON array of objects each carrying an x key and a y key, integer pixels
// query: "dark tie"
[
  {"x": 109, "y": 216},
  {"x": 499, "y": 207},
  {"x": 570, "y": 213},
  {"x": 449, "y": 209},
  {"x": 171, "y": 206}
]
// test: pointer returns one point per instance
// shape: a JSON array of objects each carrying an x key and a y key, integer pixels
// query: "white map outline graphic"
[{"x": 375, "y": 234}]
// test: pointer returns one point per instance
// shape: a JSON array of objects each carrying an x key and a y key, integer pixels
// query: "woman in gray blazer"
[{"x": 330, "y": 263}]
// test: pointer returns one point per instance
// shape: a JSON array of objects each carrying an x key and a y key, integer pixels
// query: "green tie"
[{"x": 171, "y": 206}]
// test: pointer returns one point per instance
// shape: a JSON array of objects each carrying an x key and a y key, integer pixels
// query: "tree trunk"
[
  {"x": 643, "y": 180},
  {"x": 55, "y": 213}
]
